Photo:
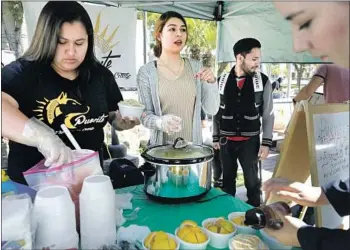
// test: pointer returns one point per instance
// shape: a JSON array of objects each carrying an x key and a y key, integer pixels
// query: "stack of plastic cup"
[
  {"x": 54, "y": 215},
  {"x": 98, "y": 212},
  {"x": 16, "y": 220}
]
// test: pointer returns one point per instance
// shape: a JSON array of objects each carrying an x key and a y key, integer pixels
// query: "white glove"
[
  {"x": 38, "y": 134},
  {"x": 216, "y": 145},
  {"x": 169, "y": 124}
]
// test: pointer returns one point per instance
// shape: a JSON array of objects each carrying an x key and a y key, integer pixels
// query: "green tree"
[
  {"x": 201, "y": 33},
  {"x": 223, "y": 67},
  {"x": 16, "y": 10},
  {"x": 301, "y": 69}
]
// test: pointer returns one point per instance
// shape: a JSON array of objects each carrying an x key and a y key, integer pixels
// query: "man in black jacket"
[
  {"x": 295, "y": 232},
  {"x": 245, "y": 98}
]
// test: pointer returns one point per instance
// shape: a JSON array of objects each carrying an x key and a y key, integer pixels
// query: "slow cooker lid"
[{"x": 168, "y": 152}]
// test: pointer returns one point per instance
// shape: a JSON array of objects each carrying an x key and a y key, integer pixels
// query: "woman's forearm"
[{"x": 13, "y": 120}]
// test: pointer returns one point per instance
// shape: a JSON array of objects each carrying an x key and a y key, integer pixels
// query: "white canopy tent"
[{"x": 235, "y": 20}]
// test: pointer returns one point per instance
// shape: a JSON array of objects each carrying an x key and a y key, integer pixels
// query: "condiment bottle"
[{"x": 265, "y": 216}]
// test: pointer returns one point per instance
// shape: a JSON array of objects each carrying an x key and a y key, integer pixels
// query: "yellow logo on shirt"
[{"x": 60, "y": 106}]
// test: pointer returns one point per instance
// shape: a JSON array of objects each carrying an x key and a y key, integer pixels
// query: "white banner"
[{"x": 115, "y": 37}]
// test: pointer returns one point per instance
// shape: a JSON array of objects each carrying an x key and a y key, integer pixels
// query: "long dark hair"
[
  {"x": 45, "y": 39},
  {"x": 162, "y": 20}
]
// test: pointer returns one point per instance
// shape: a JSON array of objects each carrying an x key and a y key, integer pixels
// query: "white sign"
[
  {"x": 331, "y": 133},
  {"x": 114, "y": 33}
]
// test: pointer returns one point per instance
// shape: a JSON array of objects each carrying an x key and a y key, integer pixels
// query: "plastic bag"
[
  {"x": 18, "y": 227},
  {"x": 85, "y": 163}
]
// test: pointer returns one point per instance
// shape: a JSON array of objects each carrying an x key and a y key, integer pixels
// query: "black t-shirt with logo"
[{"x": 82, "y": 105}]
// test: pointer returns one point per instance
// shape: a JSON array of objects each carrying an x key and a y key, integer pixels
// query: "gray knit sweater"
[{"x": 207, "y": 97}]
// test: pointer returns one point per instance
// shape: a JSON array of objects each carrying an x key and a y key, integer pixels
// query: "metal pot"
[{"x": 177, "y": 173}]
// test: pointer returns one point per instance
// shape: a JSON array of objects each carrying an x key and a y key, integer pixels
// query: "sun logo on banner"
[
  {"x": 101, "y": 40},
  {"x": 60, "y": 107}
]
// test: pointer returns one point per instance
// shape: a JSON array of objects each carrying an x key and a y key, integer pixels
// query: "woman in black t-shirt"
[{"x": 57, "y": 81}]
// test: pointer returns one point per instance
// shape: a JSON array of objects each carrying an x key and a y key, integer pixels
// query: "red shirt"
[{"x": 240, "y": 84}]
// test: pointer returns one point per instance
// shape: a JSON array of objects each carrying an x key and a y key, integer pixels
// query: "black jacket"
[
  {"x": 240, "y": 110},
  {"x": 311, "y": 238}
]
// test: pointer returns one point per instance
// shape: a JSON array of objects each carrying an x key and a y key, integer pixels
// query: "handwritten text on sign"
[
  {"x": 332, "y": 145},
  {"x": 331, "y": 133}
]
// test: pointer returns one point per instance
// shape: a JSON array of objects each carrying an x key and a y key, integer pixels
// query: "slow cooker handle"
[
  {"x": 148, "y": 169},
  {"x": 180, "y": 143}
]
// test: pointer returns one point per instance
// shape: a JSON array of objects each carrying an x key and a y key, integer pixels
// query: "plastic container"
[
  {"x": 241, "y": 229},
  {"x": 217, "y": 240},
  {"x": 130, "y": 111},
  {"x": 17, "y": 228}
]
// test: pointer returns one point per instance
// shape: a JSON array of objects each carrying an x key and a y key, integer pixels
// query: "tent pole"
[
  {"x": 235, "y": 11},
  {"x": 138, "y": 5},
  {"x": 218, "y": 29},
  {"x": 289, "y": 80}
]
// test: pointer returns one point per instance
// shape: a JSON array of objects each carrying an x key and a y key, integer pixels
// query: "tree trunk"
[
  {"x": 222, "y": 67},
  {"x": 300, "y": 68}
]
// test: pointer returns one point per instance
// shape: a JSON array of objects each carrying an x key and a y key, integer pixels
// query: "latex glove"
[
  {"x": 124, "y": 123},
  {"x": 263, "y": 152},
  {"x": 300, "y": 193},
  {"x": 206, "y": 74},
  {"x": 288, "y": 234},
  {"x": 169, "y": 124},
  {"x": 216, "y": 145},
  {"x": 38, "y": 134}
]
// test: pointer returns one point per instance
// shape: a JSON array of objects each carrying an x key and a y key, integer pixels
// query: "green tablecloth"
[{"x": 167, "y": 217}]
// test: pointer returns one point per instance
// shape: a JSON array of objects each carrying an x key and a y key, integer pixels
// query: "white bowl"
[
  {"x": 130, "y": 111},
  {"x": 192, "y": 246},
  {"x": 241, "y": 229},
  {"x": 218, "y": 240},
  {"x": 170, "y": 235},
  {"x": 231, "y": 248},
  {"x": 272, "y": 243}
]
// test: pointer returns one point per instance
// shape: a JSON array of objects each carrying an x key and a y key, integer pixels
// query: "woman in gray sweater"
[{"x": 175, "y": 89}]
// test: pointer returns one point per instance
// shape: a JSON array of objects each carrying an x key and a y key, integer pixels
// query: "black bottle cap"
[{"x": 255, "y": 218}]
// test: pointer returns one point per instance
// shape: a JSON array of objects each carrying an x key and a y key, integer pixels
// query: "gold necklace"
[{"x": 172, "y": 71}]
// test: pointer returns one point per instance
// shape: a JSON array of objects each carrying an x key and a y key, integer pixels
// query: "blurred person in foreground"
[{"x": 323, "y": 30}]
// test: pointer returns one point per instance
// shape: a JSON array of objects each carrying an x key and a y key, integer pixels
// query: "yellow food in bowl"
[
  {"x": 239, "y": 220},
  {"x": 220, "y": 226},
  {"x": 189, "y": 223},
  {"x": 159, "y": 241},
  {"x": 190, "y": 232}
]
